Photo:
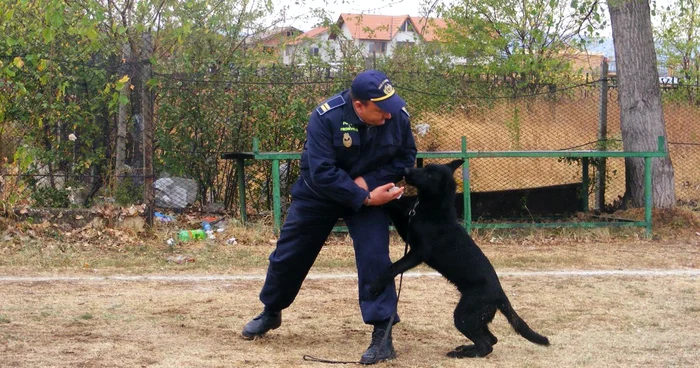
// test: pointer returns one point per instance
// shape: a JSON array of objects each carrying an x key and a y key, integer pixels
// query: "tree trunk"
[
  {"x": 641, "y": 114},
  {"x": 147, "y": 98}
]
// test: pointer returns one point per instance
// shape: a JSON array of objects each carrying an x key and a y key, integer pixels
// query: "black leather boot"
[
  {"x": 380, "y": 349},
  {"x": 265, "y": 321}
]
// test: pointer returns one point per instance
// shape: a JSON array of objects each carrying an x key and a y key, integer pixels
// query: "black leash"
[
  {"x": 391, "y": 320},
  {"x": 384, "y": 338}
]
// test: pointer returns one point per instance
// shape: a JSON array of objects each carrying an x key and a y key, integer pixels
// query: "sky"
[
  {"x": 300, "y": 17},
  {"x": 298, "y": 11}
]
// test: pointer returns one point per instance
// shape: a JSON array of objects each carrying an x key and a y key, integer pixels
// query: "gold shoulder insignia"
[{"x": 330, "y": 104}]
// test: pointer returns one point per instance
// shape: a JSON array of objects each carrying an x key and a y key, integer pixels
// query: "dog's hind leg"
[
  {"x": 481, "y": 347},
  {"x": 471, "y": 320},
  {"x": 492, "y": 339}
]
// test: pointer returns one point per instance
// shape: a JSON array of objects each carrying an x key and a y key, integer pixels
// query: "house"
[
  {"x": 369, "y": 36},
  {"x": 308, "y": 45},
  {"x": 365, "y": 35},
  {"x": 271, "y": 40},
  {"x": 582, "y": 62}
]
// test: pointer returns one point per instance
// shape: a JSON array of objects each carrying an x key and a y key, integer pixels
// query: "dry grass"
[
  {"x": 592, "y": 321},
  {"x": 47, "y": 248}
]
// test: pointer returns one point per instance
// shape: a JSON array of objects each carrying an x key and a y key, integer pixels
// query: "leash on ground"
[
  {"x": 381, "y": 344},
  {"x": 390, "y": 324}
]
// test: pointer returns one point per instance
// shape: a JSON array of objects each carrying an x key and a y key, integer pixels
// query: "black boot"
[
  {"x": 380, "y": 349},
  {"x": 265, "y": 321}
]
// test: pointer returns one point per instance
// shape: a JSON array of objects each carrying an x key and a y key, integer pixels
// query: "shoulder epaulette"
[
  {"x": 405, "y": 111},
  {"x": 330, "y": 104}
]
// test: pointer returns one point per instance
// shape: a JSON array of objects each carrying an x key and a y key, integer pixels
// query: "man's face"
[{"x": 370, "y": 113}]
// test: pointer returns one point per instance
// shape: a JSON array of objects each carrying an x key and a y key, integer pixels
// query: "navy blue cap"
[{"x": 373, "y": 85}]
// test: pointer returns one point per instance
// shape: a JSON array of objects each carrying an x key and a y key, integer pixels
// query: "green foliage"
[
  {"x": 126, "y": 192},
  {"x": 63, "y": 70},
  {"x": 50, "y": 197},
  {"x": 52, "y": 91},
  {"x": 610, "y": 144},
  {"x": 678, "y": 38},
  {"x": 532, "y": 40},
  {"x": 513, "y": 127},
  {"x": 65, "y": 74}
]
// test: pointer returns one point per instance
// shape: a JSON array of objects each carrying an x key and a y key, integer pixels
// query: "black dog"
[{"x": 435, "y": 237}]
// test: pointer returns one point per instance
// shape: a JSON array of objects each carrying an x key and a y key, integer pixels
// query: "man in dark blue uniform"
[{"x": 358, "y": 144}]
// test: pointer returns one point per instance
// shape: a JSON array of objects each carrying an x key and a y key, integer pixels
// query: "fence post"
[
  {"x": 147, "y": 111},
  {"x": 122, "y": 114},
  {"x": 466, "y": 188},
  {"x": 276, "y": 203},
  {"x": 584, "y": 186},
  {"x": 602, "y": 136}
]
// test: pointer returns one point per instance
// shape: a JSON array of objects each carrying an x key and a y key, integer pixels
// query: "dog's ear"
[{"x": 455, "y": 164}]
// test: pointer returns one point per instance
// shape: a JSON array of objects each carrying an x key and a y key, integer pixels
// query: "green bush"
[
  {"x": 127, "y": 192},
  {"x": 51, "y": 197}
]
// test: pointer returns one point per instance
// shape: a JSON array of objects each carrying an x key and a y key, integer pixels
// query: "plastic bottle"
[
  {"x": 163, "y": 218},
  {"x": 206, "y": 226},
  {"x": 186, "y": 235}
]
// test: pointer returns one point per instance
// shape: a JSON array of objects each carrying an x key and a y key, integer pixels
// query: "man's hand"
[{"x": 384, "y": 194}]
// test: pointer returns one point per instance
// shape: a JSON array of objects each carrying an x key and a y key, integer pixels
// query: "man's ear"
[
  {"x": 455, "y": 164},
  {"x": 358, "y": 105}
]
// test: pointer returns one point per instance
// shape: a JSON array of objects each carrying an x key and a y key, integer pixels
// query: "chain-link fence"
[
  {"x": 73, "y": 133},
  {"x": 157, "y": 136}
]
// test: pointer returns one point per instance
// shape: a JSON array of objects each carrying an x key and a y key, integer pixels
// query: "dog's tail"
[{"x": 519, "y": 325}]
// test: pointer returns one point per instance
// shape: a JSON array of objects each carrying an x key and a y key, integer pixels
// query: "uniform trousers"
[{"x": 310, "y": 220}]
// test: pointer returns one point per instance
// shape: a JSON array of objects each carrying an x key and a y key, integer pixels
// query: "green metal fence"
[{"x": 466, "y": 155}]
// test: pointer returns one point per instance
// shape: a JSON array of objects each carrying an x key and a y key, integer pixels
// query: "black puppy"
[{"x": 435, "y": 237}]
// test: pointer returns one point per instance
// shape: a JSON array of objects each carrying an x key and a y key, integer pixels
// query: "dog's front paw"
[{"x": 376, "y": 288}]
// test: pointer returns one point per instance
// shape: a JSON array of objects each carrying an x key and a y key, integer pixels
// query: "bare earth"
[{"x": 646, "y": 316}]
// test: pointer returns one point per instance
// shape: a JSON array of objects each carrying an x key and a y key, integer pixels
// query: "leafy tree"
[
  {"x": 49, "y": 67},
  {"x": 678, "y": 38},
  {"x": 64, "y": 74},
  {"x": 531, "y": 39}
]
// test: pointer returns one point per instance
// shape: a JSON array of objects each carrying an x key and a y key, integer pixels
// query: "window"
[
  {"x": 313, "y": 51},
  {"x": 378, "y": 47},
  {"x": 407, "y": 26}
]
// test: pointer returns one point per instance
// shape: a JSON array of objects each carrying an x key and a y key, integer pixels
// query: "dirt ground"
[{"x": 74, "y": 317}]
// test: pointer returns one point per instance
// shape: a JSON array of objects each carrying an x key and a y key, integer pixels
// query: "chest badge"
[{"x": 347, "y": 140}]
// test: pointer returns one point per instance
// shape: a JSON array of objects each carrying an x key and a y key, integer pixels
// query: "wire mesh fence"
[{"x": 157, "y": 136}]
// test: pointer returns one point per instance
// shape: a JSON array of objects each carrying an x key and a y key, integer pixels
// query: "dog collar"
[{"x": 412, "y": 212}]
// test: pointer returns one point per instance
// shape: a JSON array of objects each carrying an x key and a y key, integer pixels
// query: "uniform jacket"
[{"x": 339, "y": 147}]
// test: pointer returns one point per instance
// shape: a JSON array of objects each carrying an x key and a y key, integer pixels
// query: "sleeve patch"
[{"x": 330, "y": 104}]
